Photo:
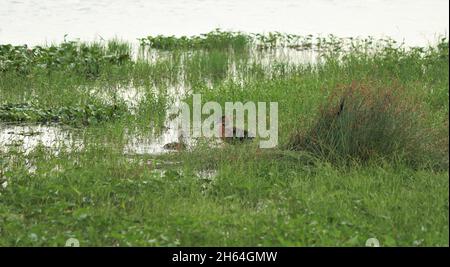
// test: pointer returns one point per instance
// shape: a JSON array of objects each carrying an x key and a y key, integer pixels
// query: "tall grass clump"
[{"x": 365, "y": 121}]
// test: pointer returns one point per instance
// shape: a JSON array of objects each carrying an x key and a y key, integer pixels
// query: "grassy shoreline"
[{"x": 231, "y": 196}]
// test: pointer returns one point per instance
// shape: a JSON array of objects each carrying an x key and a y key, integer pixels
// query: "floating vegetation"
[
  {"x": 214, "y": 40},
  {"x": 75, "y": 115},
  {"x": 224, "y": 40},
  {"x": 240, "y": 41},
  {"x": 82, "y": 58}
]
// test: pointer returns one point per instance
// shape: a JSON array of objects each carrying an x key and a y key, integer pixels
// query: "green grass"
[
  {"x": 365, "y": 121},
  {"x": 258, "y": 197}
]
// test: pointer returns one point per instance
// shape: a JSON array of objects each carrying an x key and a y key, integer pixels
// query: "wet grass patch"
[
  {"x": 373, "y": 171},
  {"x": 77, "y": 115}
]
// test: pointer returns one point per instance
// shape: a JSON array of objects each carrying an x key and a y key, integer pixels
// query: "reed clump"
[{"x": 365, "y": 121}]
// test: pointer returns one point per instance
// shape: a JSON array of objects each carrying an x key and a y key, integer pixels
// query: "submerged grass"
[{"x": 379, "y": 169}]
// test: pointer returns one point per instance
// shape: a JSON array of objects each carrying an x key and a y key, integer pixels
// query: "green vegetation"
[
  {"x": 368, "y": 122},
  {"x": 377, "y": 167},
  {"x": 215, "y": 40},
  {"x": 86, "y": 114},
  {"x": 68, "y": 56}
]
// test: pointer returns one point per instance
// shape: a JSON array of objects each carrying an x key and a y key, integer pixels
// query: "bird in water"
[
  {"x": 238, "y": 136},
  {"x": 178, "y": 146}
]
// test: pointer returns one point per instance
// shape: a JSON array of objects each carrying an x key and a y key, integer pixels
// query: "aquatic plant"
[
  {"x": 75, "y": 115},
  {"x": 82, "y": 58},
  {"x": 214, "y": 40}
]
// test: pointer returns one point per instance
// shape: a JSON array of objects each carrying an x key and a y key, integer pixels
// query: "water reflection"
[{"x": 26, "y": 138}]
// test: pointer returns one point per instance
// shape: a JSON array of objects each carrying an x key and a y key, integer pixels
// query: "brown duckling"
[{"x": 179, "y": 145}]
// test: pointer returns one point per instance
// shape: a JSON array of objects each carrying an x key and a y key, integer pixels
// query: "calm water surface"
[{"x": 39, "y": 21}]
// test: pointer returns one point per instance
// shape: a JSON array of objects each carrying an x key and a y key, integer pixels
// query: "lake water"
[{"x": 43, "y": 21}]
